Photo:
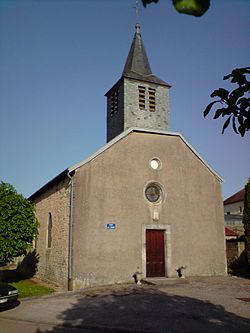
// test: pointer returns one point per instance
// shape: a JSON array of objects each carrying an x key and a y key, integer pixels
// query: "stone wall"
[
  {"x": 130, "y": 115},
  {"x": 135, "y": 117},
  {"x": 53, "y": 261},
  {"x": 115, "y": 122}
]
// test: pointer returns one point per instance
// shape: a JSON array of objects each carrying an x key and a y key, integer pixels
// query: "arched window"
[{"x": 49, "y": 231}]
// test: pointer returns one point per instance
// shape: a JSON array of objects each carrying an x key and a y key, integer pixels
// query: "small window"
[
  {"x": 49, "y": 231},
  {"x": 155, "y": 163},
  {"x": 142, "y": 94},
  {"x": 151, "y": 97},
  {"x": 114, "y": 103},
  {"x": 240, "y": 209}
]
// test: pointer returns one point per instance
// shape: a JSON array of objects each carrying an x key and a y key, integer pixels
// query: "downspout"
[{"x": 70, "y": 256}]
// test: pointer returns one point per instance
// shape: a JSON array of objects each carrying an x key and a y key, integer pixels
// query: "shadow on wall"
[
  {"x": 26, "y": 269},
  {"x": 146, "y": 309},
  {"x": 239, "y": 266}
]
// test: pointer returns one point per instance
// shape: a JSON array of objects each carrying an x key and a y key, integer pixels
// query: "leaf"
[
  {"x": 191, "y": 7},
  {"x": 146, "y": 2},
  {"x": 242, "y": 130},
  {"x": 244, "y": 103},
  {"x": 234, "y": 126},
  {"x": 237, "y": 93},
  {"x": 222, "y": 93},
  {"x": 214, "y": 93},
  {"x": 218, "y": 113},
  {"x": 226, "y": 124},
  {"x": 226, "y": 77},
  {"x": 208, "y": 108},
  {"x": 240, "y": 119}
]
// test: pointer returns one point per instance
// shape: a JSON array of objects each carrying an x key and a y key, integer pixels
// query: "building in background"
[
  {"x": 234, "y": 229},
  {"x": 233, "y": 211}
]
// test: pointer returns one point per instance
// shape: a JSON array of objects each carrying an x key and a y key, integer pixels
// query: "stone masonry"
[
  {"x": 53, "y": 262},
  {"x": 130, "y": 115},
  {"x": 134, "y": 117}
]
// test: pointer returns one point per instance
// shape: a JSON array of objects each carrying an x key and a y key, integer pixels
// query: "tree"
[
  {"x": 246, "y": 219},
  {"x": 235, "y": 104},
  {"x": 18, "y": 223}
]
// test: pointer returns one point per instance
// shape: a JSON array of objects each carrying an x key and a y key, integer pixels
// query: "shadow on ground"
[
  {"x": 10, "y": 307},
  {"x": 148, "y": 309},
  {"x": 26, "y": 269}
]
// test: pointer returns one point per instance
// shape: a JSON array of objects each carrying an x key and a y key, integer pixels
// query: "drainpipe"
[{"x": 70, "y": 279}]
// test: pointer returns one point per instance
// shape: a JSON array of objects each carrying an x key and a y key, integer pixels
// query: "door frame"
[{"x": 167, "y": 246}]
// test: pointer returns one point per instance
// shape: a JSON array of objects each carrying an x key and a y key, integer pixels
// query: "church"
[{"x": 145, "y": 202}]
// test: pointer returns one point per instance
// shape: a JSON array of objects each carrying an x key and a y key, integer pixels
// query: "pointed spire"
[
  {"x": 137, "y": 60},
  {"x": 137, "y": 64}
]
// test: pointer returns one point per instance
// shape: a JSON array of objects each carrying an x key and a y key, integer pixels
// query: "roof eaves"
[
  {"x": 54, "y": 180},
  {"x": 236, "y": 197},
  {"x": 146, "y": 78},
  {"x": 114, "y": 86}
]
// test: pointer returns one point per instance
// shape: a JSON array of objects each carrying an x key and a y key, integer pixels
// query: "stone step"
[{"x": 164, "y": 281}]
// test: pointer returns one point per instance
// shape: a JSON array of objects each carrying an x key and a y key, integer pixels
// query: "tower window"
[
  {"x": 49, "y": 231},
  {"x": 142, "y": 94},
  {"x": 114, "y": 103},
  {"x": 151, "y": 98}
]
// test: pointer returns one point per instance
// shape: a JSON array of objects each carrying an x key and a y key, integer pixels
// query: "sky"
[{"x": 58, "y": 58}]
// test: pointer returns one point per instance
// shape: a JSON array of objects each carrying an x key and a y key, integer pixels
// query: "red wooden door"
[{"x": 155, "y": 257}]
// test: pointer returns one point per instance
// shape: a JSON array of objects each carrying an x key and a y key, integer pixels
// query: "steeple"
[
  {"x": 137, "y": 60},
  {"x": 138, "y": 98},
  {"x": 137, "y": 65}
]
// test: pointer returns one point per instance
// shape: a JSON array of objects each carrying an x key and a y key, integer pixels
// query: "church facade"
[{"x": 146, "y": 202}]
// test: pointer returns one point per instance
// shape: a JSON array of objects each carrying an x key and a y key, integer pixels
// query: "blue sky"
[{"x": 59, "y": 57}]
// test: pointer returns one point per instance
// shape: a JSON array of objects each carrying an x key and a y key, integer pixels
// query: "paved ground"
[{"x": 209, "y": 305}]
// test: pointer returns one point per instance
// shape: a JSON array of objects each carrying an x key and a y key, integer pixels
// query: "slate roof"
[
  {"x": 239, "y": 196},
  {"x": 137, "y": 65}
]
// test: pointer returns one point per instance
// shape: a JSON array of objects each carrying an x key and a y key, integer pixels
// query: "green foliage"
[
  {"x": 18, "y": 224},
  {"x": 192, "y": 7},
  {"x": 28, "y": 288},
  {"x": 189, "y": 7},
  {"x": 246, "y": 218},
  {"x": 235, "y": 105}
]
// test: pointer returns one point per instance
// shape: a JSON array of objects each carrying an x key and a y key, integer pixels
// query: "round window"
[
  {"x": 153, "y": 192},
  {"x": 155, "y": 163}
]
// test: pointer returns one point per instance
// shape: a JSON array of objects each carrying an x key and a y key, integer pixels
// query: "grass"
[
  {"x": 22, "y": 280},
  {"x": 28, "y": 288}
]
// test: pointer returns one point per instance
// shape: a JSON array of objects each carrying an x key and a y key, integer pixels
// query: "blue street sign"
[{"x": 111, "y": 226}]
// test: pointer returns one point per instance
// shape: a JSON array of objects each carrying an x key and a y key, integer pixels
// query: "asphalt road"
[{"x": 209, "y": 305}]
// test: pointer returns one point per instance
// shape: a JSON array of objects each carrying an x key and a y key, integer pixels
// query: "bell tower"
[{"x": 139, "y": 98}]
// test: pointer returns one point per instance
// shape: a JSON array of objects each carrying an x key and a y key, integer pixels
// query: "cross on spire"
[
  {"x": 137, "y": 11},
  {"x": 137, "y": 26}
]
